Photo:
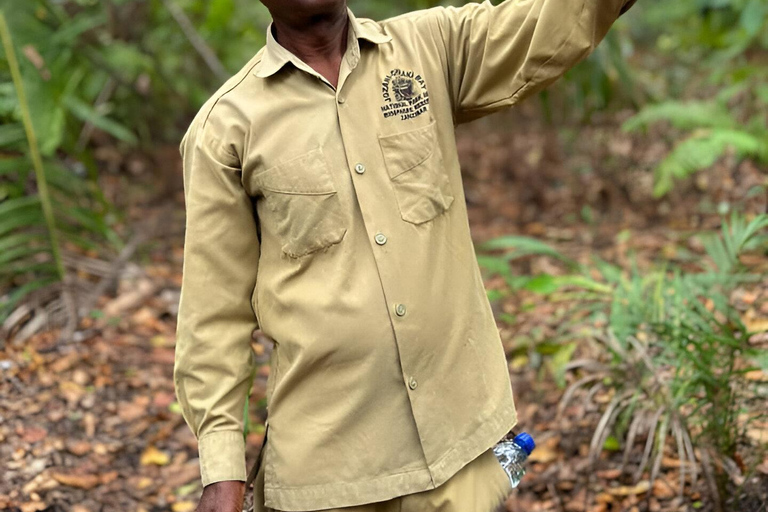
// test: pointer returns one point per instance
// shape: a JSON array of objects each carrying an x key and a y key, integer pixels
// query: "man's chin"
[{"x": 320, "y": 7}]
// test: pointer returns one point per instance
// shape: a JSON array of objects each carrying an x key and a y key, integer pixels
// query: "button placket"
[{"x": 365, "y": 186}]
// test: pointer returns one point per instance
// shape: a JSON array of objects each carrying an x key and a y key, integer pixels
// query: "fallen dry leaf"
[
  {"x": 604, "y": 497},
  {"x": 130, "y": 411},
  {"x": 33, "y": 434},
  {"x": 42, "y": 482},
  {"x": 163, "y": 356},
  {"x": 546, "y": 451},
  {"x": 71, "y": 391},
  {"x": 178, "y": 475},
  {"x": 663, "y": 490},
  {"x": 756, "y": 375},
  {"x": 162, "y": 399},
  {"x": 108, "y": 477},
  {"x": 144, "y": 483},
  {"x": 609, "y": 474},
  {"x": 627, "y": 490},
  {"x": 153, "y": 456},
  {"x": 32, "y": 506},
  {"x": 64, "y": 363},
  {"x": 755, "y": 325},
  {"x": 130, "y": 299},
  {"x": 81, "y": 377},
  {"x": 89, "y": 424},
  {"x": 79, "y": 481},
  {"x": 160, "y": 341},
  {"x": 758, "y": 435},
  {"x": 78, "y": 448}
]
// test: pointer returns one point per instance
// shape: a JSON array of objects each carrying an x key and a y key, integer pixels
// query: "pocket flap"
[
  {"x": 305, "y": 174},
  {"x": 404, "y": 151}
]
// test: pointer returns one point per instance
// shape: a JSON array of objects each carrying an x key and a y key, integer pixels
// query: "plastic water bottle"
[{"x": 512, "y": 456}]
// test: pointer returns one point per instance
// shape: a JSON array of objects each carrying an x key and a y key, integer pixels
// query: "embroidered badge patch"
[{"x": 405, "y": 95}]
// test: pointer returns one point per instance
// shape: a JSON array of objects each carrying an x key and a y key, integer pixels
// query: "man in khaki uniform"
[{"x": 325, "y": 206}]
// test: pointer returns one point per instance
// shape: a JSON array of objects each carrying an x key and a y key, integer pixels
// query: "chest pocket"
[
  {"x": 302, "y": 204},
  {"x": 415, "y": 166}
]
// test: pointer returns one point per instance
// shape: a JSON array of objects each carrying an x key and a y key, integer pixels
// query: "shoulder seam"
[
  {"x": 245, "y": 72},
  {"x": 410, "y": 14}
]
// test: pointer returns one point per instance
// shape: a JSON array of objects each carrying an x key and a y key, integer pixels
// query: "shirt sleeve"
[
  {"x": 498, "y": 55},
  {"x": 214, "y": 364}
]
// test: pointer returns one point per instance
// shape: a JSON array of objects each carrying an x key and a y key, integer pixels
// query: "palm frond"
[
  {"x": 45, "y": 205},
  {"x": 724, "y": 250}
]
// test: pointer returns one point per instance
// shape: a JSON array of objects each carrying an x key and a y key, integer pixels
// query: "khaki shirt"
[{"x": 335, "y": 220}]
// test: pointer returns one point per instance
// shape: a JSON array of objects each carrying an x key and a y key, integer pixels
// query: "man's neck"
[{"x": 320, "y": 42}]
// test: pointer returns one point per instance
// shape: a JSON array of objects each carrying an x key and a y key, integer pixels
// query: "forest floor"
[{"x": 93, "y": 425}]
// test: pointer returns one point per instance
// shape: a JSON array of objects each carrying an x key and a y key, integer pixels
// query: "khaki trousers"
[{"x": 480, "y": 486}]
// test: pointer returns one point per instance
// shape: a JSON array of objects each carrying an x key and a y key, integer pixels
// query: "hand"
[{"x": 222, "y": 497}]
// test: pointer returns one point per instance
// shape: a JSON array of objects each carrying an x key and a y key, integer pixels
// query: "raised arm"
[
  {"x": 498, "y": 55},
  {"x": 214, "y": 361}
]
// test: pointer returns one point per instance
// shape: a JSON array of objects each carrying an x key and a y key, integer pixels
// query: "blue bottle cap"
[{"x": 525, "y": 441}]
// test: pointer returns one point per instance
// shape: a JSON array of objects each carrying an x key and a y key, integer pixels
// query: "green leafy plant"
[
  {"x": 31, "y": 210},
  {"x": 40, "y": 215},
  {"x": 679, "y": 356},
  {"x": 713, "y": 130},
  {"x": 706, "y": 44},
  {"x": 95, "y": 75},
  {"x": 123, "y": 67},
  {"x": 680, "y": 353}
]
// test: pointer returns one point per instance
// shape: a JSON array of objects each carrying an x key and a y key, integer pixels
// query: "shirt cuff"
[{"x": 222, "y": 457}]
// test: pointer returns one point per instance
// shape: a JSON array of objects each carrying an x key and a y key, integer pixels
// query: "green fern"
[
  {"x": 722, "y": 34},
  {"x": 714, "y": 132},
  {"x": 701, "y": 150},
  {"x": 683, "y": 115},
  {"x": 520, "y": 246}
]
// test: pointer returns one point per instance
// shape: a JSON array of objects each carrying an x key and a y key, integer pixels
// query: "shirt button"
[
  {"x": 359, "y": 168},
  {"x": 400, "y": 310},
  {"x": 380, "y": 238},
  {"x": 412, "y": 383},
  {"x": 341, "y": 99}
]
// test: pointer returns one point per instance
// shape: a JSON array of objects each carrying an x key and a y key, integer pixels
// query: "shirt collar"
[{"x": 276, "y": 56}]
